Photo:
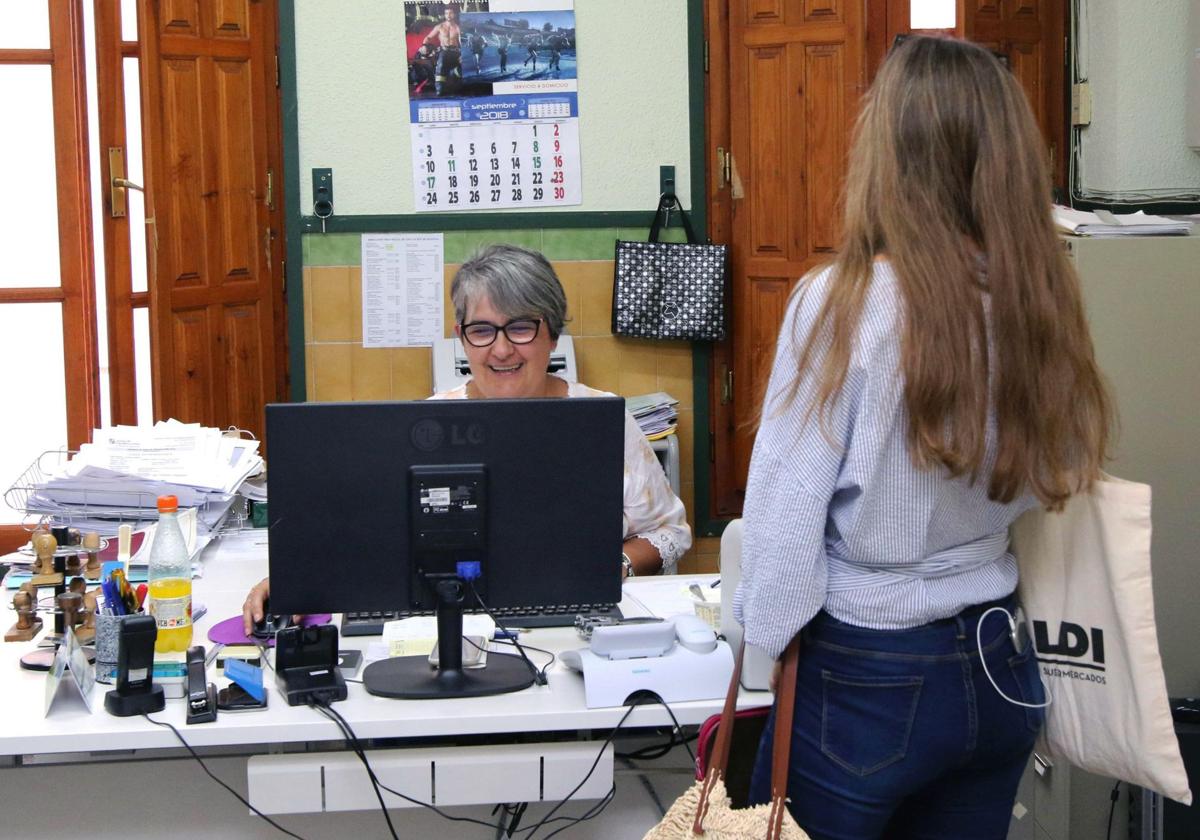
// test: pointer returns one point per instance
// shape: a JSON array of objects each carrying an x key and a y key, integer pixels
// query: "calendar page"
[{"x": 493, "y": 105}]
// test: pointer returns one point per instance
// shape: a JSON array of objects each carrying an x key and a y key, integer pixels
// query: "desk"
[{"x": 73, "y": 735}]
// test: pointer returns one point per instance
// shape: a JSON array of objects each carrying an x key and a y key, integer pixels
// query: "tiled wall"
[{"x": 338, "y": 367}]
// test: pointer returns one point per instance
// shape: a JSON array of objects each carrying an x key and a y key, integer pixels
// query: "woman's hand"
[{"x": 255, "y": 605}]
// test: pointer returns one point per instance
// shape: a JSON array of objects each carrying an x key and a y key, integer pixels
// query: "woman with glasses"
[{"x": 509, "y": 310}]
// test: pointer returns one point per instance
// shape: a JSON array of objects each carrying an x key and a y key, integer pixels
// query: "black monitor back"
[{"x": 341, "y": 485}]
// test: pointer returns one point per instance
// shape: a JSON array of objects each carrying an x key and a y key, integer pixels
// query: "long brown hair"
[{"x": 948, "y": 182}]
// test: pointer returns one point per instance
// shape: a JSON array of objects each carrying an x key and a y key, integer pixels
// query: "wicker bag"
[{"x": 704, "y": 809}]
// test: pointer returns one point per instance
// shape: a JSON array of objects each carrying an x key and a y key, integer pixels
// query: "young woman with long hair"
[{"x": 932, "y": 384}]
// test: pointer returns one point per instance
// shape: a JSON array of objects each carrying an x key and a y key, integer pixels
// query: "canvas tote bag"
[
  {"x": 670, "y": 290},
  {"x": 704, "y": 809},
  {"x": 1086, "y": 591}
]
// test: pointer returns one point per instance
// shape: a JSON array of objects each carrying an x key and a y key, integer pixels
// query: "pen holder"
[{"x": 108, "y": 633}]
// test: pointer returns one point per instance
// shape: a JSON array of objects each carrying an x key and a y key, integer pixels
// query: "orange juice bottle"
[{"x": 170, "y": 578}]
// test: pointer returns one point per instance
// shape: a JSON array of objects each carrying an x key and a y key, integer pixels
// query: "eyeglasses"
[{"x": 483, "y": 333}]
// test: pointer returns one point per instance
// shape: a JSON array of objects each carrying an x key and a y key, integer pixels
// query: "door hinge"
[
  {"x": 276, "y": 69},
  {"x": 705, "y": 55},
  {"x": 283, "y": 274},
  {"x": 726, "y": 385},
  {"x": 724, "y": 170},
  {"x": 270, "y": 189}
]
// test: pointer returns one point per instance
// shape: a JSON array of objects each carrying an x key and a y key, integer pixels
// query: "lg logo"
[{"x": 429, "y": 434}]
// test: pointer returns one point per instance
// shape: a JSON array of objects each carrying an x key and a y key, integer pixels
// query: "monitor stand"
[{"x": 413, "y": 678}]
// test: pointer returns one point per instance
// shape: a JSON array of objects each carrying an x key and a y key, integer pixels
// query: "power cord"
[
  {"x": 538, "y": 676},
  {"x": 326, "y": 709},
  {"x": 212, "y": 776},
  {"x": 1112, "y": 807},
  {"x": 356, "y": 745},
  {"x": 543, "y": 670}
]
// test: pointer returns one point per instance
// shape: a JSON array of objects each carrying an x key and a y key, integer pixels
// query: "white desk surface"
[{"x": 230, "y": 566}]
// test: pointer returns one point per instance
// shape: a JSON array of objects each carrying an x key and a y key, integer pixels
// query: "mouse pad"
[{"x": 229, "y": 631}]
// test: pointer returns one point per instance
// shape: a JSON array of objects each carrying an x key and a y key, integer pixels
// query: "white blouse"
[{"x": 652, "y": 511}]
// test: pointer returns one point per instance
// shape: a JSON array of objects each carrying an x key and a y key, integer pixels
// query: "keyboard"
[{"x": 370, "y": 623}]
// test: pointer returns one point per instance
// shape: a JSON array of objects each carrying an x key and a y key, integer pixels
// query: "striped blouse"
[{"x": 839, "y": 518}]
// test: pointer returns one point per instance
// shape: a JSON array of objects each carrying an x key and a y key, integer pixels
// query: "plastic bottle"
[{"x": 170, "y": 580}]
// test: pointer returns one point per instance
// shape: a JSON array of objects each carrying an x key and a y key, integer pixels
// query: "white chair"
[{"x": 757, "y": 665}]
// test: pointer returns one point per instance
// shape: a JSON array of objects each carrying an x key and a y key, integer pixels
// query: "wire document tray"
[{"x": 102, "y": 510}]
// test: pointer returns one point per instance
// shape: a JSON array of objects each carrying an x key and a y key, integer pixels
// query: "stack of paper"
[
  {"x": 1104, "y": 223},
  {"x": 119, "y": 476},
  {"x": 655, "y": 413}
]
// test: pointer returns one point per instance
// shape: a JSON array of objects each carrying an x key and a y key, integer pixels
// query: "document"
[
  {"x": 402, "y": 289},
  {"x": 1104, "y": 223}
]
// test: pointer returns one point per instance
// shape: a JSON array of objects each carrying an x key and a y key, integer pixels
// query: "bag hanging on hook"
[{"x": 670, "y": 290}]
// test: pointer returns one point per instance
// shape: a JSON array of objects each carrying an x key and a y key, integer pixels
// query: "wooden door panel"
[
  {"x": 238, "y": 210},
  {"x": 1027, "y": 63},
  {"x": 191, "y": 371},
  {"x": 823, "y": 10},
  {"x": 243, "y": 363},
  {"x": 825, "y": 145},
  {"x": 1024, "y": 10},
  {"x": 181, "y": 228},
  {"x": 764, "y": 11},
  {"x": 985, "y": 9},
  {"x": 770, "y": 220},
  {"x": 179, "y": 17},
  {"x": 230, "y": 19}
]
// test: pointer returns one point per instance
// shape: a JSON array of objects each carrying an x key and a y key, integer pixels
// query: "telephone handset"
[{"x": 654, "y": 638}]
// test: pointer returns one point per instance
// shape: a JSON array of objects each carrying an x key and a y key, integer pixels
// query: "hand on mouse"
[
  {"x": 255, "y": 605},
  {"x": 254, "y": 608}
]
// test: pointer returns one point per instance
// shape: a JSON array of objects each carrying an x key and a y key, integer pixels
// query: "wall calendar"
[{"x": 493, "y": 105}]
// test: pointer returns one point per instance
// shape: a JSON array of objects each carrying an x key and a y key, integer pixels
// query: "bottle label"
[{"x": 172, "y": 613}]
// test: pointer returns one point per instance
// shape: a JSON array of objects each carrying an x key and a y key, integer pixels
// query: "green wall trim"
[
  {"x": 294, "y": 245},
  {"x": 475, "y": 221},
  {"x": 705, "y": 525},
  {"x": 558, "y": 244}
]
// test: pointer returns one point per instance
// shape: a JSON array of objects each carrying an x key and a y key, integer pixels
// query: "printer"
[{"x": 450, "y": 367}]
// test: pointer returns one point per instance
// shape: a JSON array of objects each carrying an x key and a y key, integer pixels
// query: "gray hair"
[{"x": 519, "y": 282}]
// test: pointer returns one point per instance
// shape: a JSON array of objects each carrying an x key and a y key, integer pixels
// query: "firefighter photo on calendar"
[{"x": 473, "y": 49}]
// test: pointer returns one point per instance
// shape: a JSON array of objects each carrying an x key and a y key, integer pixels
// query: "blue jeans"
[{"x": 899, "y": 733}]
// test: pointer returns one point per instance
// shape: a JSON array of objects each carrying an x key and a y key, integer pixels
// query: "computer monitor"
[{"x": 374, "y": 506}]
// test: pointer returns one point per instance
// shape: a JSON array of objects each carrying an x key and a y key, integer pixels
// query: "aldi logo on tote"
[{"x": 1076, "y": 646}]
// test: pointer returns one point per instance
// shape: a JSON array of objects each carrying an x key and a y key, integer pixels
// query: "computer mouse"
[
  {"x": 694, "y": 634},
  {"x": 572, "y": 659},
  {"x": 271, "y": 623}
]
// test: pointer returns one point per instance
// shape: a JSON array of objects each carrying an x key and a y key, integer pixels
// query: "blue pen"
[{"x": 715, "y": 584}]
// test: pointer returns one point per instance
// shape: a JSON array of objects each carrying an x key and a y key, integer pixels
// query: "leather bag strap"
[{"x": 785, "y": 696}]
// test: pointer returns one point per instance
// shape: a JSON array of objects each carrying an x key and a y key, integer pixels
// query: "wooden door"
[
  {"x": 210, "y": 110},
  {"x": 795, "y": 77},
  {"x": 1031, "y": 35},
  {"x": 784, "y": 83}
]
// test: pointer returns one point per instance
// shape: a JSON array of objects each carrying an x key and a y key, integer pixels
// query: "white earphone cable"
[{"x": 1012, "y": 625}]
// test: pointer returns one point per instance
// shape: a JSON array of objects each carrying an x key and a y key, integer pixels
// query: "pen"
[
  {"x": 715, "y": 584},
  {"x": 510, "y": 634}
]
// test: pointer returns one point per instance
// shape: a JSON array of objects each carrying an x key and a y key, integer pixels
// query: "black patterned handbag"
[{"x": 670, "y": 290}]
